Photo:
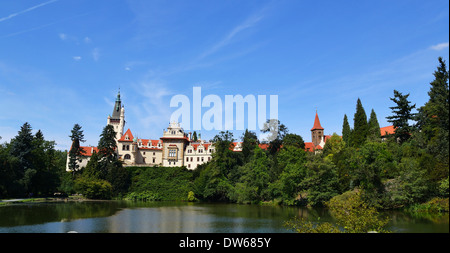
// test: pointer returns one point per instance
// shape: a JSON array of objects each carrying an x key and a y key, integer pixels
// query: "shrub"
[{"x": 94, "y": 188}]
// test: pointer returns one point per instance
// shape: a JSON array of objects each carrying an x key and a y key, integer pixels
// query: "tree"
[
  {"x": 346, "y": 131},
  {"x": 254, "y": 180},
  {"x": 46, "y": 179},
  {"x": 107, "y": 144},
  {"x": 291, "y": 170},
  {"x": 194, "y": 136},
  {"x": 21, "y": 148},
  {"x": 277, "y": 132},
  {"x": 249, "y": 141},
  {"x": 214, "y": 181},
  {"x": 76, "y": 152},
  {"x": 433, "y": 117},
  {"x": 360, "y": 126},
  {"x": 294, "y": 140},
  {"x": 333, "y": 146},
  {"x": 373, "y": 132},
  {"x": 401, "y": 116}
]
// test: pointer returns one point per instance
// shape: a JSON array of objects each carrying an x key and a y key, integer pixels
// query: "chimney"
[{"x": 190, "y": 136}]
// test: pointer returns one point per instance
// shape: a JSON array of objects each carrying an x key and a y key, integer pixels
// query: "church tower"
[
  {"x": 117, "y": 120},
  {"x": 317, "y": 131}
]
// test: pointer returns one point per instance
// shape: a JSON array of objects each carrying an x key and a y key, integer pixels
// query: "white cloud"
[
  {"x": 96, "y": 54},
  {"x": 62, "y": 36},
  {"x": 87, "y": 40},
  {"x": 77, "y": 58},
  {"x": 26, "y": 10},
  {"x": 440, "y": 46},
  {"x": 250, "y": 22}
]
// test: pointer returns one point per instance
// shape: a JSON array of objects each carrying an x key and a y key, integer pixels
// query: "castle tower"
[
  {"x": 317, "y": 131},
  {"x": 117, "y": 120}
]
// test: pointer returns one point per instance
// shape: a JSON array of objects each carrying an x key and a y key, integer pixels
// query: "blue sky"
[{"x": 63, "y": 61}]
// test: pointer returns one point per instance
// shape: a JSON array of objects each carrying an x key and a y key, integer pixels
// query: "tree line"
[
  {"x": 405, "y": 168},
  {"x": 402, "y": 169}
]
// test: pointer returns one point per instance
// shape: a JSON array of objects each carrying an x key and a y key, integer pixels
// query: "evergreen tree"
[
  {"x": 346, "y": 131},
  {"x": 433, "y": 121},
  {"x": 360, "y": 126},
  {"x": 22, "y": 146},
  {"x": 21, "y": 149},
  {"x": 401, "y": 116},
  {"x": 194, "y": 136},
  {"x": 76, "y": 152},
  {"x": 434, "y": 115},
  {"x": 374, "y": 127},
  {"x": 107, "y": 144},
  {"x": 249, "y": 141}
]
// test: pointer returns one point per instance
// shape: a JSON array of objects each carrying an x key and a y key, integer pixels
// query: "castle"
[{"x": 177, "y": 148}]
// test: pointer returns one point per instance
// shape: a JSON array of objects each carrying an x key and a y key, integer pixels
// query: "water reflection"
[{"x": 173, "y": 217}]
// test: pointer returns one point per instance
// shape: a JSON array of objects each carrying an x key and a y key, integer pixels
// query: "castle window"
[
  {"x": 187, "y": 159},
  {"x": 191, "y": 159},
  {"x": 172, "y": 152},
  {"x": 198, "y": 159},
  {"x": 202, "y": 159},
  {"x": 153, "y": 160},
  {"x": 127, "y": 156}
]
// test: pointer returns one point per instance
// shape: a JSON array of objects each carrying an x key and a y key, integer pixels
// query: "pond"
[{"x": 179, "y": 217}]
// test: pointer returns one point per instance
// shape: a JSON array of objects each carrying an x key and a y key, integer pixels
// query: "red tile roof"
[
  {"x": 129, "y": 134},
  {"x": 317, "y": 125},
  {"x": 387, "y": 130},
  {"x": 89, "y": 150}
]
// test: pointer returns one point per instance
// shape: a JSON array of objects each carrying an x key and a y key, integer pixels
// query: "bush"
[
  {"x": 352, "y": 216},
  {"x": 94, "y": 188}
]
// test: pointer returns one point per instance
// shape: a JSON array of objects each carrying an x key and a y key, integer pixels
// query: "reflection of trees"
[{"x": 37, "y": 213}]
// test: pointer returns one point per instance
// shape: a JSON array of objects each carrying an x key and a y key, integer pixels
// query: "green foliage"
[
  {"x": 321, "y": 181},
  {"x": 160, "y": 183},
  {"x": 29, "y": 165},
  {"x": 76, "y": 152},
  {"x": 294, "y": 140},
  {"x": 346, "y": 131},
  {"x": 107, "y": 144},
  {"x": 304, "y": 226},
  {"x": 360, "y": 126},
  {"x": 352, "y": 216},
  {"x": 93, "y": 188},
  {"x": 373, "y": 132},
  {"x": 401, "y": 116},
  {"x": 356, "y": 216},
  {"x": 254, "y": 180}
]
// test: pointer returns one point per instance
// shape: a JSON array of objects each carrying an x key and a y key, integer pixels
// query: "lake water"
[{"x": 176, "y": 217}]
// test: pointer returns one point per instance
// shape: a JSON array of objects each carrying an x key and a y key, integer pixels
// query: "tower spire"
[{"x": 317, "y": 125}]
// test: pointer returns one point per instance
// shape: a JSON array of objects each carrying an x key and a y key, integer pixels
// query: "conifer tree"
[
  {"x": 401, "y": 116},
  {"x": 76, "y": 151},
  {"x": 360, "y": 126},
  {"x": 107, "y": 144},
  {"x": 249, "y": 141},
  {"x": 433, "y": 117},
  {"x": 346, "y": 131},
  {"x": 374, "y": 127},
  {"x": 22, "y": 146},
  {"x": 22, "y": 149}
]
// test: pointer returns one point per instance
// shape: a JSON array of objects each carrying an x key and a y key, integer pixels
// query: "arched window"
[{"x": 127, "y": 156}]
